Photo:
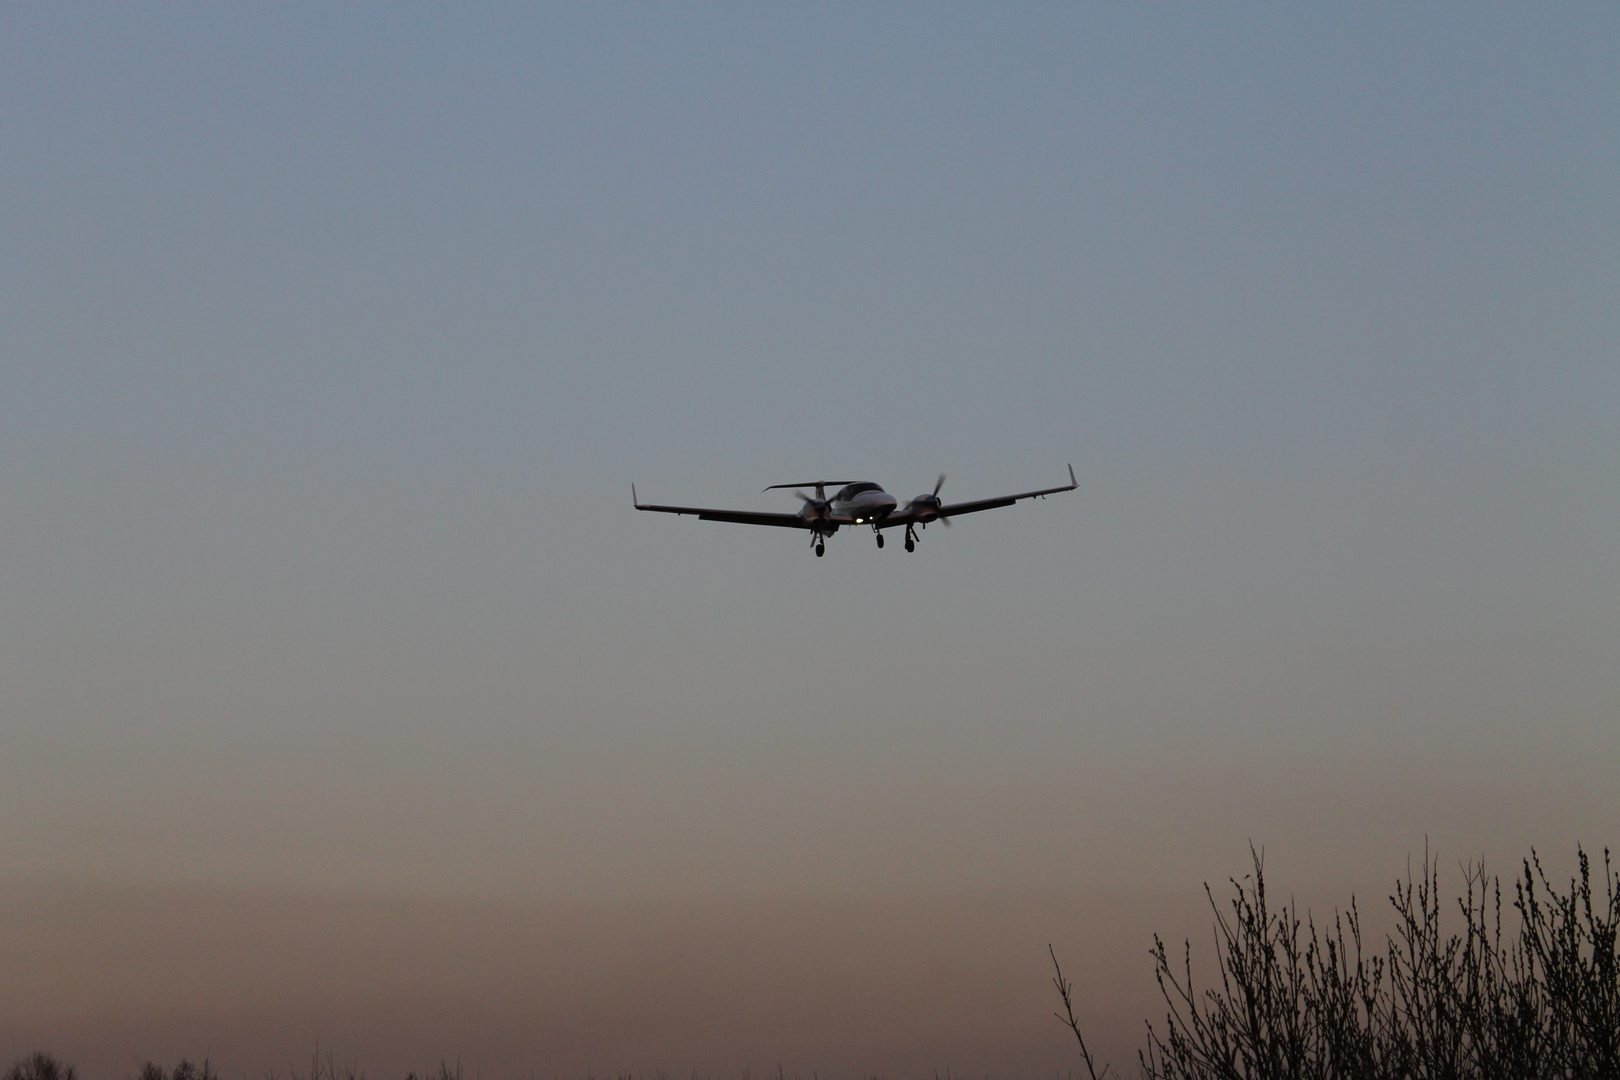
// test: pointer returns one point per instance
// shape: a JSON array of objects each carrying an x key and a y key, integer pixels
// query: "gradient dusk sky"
[{"x": 344, "y": 696}]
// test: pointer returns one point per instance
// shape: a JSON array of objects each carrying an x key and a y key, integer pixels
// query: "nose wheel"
[{"x": 879, "y": 538}]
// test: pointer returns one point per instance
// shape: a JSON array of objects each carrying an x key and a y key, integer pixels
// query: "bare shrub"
[
  {"x": 183, "y": 1071},
  {"x": 39, "y": 1066},
  {"x": 1300, "y": 1001}
]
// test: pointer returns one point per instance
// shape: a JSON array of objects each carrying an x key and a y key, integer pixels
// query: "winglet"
[
  {"x": 635, "y": 502},
  {"x": 1073, "y": 483}
]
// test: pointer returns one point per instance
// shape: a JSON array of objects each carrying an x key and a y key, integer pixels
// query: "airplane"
[{"x": 858, "y": 502}]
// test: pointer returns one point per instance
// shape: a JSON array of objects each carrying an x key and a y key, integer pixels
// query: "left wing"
[
  {"x": 740, "y": 517},
  {"x": 956, "y": 509}
]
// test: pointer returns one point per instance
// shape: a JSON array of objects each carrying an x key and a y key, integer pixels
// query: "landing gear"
[
  {"x": 911, "y": 539},
  {"x": 821, "y": 549},
  {"x": 880, "y": 539}
]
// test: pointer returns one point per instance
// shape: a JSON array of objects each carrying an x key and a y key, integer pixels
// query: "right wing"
[
  {"x": 739, "y": 517},
  {"x": 900, "y": 517}
]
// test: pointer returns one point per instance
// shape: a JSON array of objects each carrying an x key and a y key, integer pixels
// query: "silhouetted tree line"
[
  {"x": 1297, "y": 1001},
  {"x": 40, "y": 1066}
]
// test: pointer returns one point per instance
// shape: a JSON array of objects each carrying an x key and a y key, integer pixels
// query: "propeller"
[
  {"x": 818, "y": 505},
  {"x": 931, "y": 502}
]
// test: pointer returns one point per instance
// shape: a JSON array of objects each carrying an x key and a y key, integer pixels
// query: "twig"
[{"x": 1067, "y": 1016}]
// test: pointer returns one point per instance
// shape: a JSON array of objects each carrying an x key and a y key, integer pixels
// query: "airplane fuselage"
[
  {"x": 860, "y": 503},
  {"x": 863, "y": 503}
]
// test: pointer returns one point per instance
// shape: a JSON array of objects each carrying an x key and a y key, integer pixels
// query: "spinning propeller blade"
[{"x": 945, "y": 521}]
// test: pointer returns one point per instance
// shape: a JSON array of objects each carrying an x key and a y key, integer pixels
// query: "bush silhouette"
[
  {"x": 39, "y": 1066},
  {"x": 183, "y": 1071},
  {"x": 1298, "y": 1001}
]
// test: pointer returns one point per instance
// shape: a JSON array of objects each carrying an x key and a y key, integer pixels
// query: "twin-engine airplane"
[{"x": 857, "y": 503}]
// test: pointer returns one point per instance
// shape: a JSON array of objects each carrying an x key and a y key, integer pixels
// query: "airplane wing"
[
  {"x": 740, "y": 517},
  {"x": 955, "y": 509}
]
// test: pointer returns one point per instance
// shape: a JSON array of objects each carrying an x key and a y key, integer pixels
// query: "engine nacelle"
[{"x": 924, "y": 507}]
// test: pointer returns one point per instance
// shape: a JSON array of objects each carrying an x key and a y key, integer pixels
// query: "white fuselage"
[{"x": 865, "y": 506}]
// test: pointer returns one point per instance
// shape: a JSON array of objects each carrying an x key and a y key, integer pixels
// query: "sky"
[{"x": 333, "y": 654}]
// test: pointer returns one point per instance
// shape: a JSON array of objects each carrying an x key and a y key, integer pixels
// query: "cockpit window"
[{"x": 855, "y": 489}]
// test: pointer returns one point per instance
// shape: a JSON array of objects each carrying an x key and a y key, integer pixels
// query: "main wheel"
[
  {"x": 820, "y": 551},
  {"x": 880, "y": 539},
  {"x": 910, "y": 546}
]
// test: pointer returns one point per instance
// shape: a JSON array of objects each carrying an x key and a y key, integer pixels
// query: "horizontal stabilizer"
[{"x": 812, "y": 483}]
